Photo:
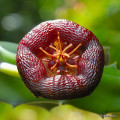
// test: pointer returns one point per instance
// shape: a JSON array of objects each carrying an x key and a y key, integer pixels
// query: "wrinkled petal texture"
[{"x": 34, "y": 74}]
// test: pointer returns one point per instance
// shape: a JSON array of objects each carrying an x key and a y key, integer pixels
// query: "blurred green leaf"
[
  {"x": 8, "y": 52},
  {"x": 9, "y": 69},
  {"x": 9, "y": 46},
  {"x": 23, "y": 112},
  {"x": 69, "y": 112}
]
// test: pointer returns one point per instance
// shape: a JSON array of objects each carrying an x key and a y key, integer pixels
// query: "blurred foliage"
[
  {"x": 63, "y": 112},
  {"x": 18, "y": 17}
]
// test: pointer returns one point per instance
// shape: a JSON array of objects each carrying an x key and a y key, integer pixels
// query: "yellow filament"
[
  {"x": 67, "y": 47},
  {"x": 74, "y": 49}
]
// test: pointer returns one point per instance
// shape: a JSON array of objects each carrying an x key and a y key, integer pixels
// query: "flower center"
[{"x": 60, "y": 55}]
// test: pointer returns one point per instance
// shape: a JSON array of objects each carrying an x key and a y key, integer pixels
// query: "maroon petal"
[{"x": 42, "y": 81}]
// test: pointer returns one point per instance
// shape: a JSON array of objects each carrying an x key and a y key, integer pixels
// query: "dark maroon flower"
[{"x": 59, "y": 59}]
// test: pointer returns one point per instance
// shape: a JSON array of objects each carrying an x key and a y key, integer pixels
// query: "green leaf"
[
  {"x": 9, "y": 69},
  {"x": 10, "y": 46},
  {"x": 8, "y": 52}
]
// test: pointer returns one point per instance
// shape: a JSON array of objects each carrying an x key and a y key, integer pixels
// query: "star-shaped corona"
[{"x": 60, "y": 54}]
